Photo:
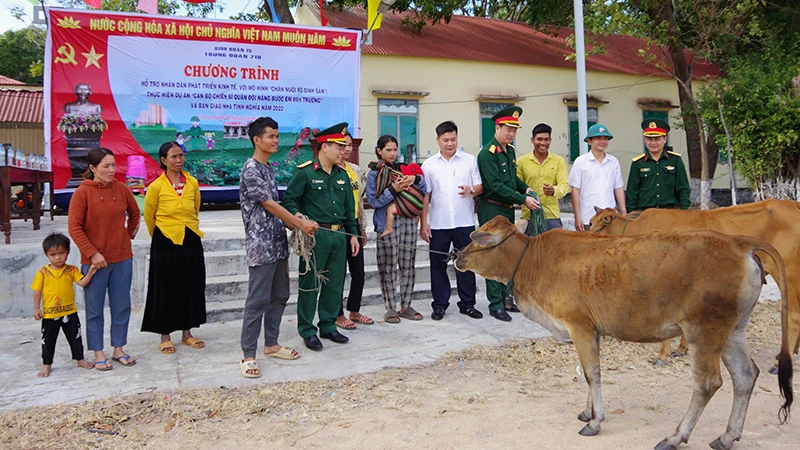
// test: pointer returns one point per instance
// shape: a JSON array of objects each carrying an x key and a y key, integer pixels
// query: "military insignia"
[
  {"x": 652, "y": 125},
  {"x": 644, "y": 169},
  {"x": 511, "y": 146},
  {"x": 316, "y": 165},
  {"x": 670, "y": 167},
  {"x": 602, "y": 130},
  {"x": 344, "y": 130},
  {"x": 317, "y": 181},
  {"x": 515, "y": 115},
  {"x": 492, "y": 148},
  {"x": 339, "y": 181},
  {"x": 673, "y": 153},
  {"x": 636, "y": 158},
  {"x": 305, "y": 164}
]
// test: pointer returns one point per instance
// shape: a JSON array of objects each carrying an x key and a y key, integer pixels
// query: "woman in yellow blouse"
[{"x": 176, "y": 298}]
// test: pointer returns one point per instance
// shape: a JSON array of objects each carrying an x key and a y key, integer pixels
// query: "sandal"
[
  {"x": 104, "y": 363},
  {"x": 193, "y": 342},
  {"x": 125, "y": 360},
  {"x": 167, "y": 347},
  {"x": 249, "y": 369},
  {"x": 391, "y": 316},
  {"x": 410, "y": 314},
  {"x": 283, "y": 353},
  {"x": 364, "y": 320},
  {"x": 345, "y": 324}
]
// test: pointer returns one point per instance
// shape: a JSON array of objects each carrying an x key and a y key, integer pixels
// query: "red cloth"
[
  {"x": 94, "y": 3},
  {"x": 411, "y": 169},
  {"x": 323, "y": 20},
  {"x": 197, "y": 2}
]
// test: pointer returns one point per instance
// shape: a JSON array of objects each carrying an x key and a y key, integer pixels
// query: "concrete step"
[
  {"x": 231, "y": 287},
  {"x": 223, "y": 311},
  {"x": 232, "y": 260}
]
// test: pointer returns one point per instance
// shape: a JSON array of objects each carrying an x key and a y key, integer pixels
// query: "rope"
[
  {"x": 537, "y": 224},
  {"x": 302, "y": 245}
]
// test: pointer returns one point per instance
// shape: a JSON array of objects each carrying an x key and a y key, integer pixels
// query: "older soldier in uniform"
[
  {"x": 321, "y": 190},
  {"x": 658, "y": 177},
  {"x": 502, "y": 189}
]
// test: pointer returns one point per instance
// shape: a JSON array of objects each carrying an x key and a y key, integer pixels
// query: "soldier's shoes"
[
  {"x": 500, "y": 314},
  {"x": 313, "y": 343},
  {"x": 472, "y": 312},
  {"x": 335, "y": 336}
]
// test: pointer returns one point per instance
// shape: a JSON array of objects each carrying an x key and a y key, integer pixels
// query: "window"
[
  {"x": 400, "y": 118},
  {"x": 487, "y": 110},
  {"x": 574, "y": 129},
  {"x": 655, "y": 114}
]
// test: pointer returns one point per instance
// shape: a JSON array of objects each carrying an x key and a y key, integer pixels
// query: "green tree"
[{"x": 22, "y": 54}]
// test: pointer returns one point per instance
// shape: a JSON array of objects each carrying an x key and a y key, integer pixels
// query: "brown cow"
[
  {"x": 774, "y": 221},
  {"x": 582, "y": 286}
]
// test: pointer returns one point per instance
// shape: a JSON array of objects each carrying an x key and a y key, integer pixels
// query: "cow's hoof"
[
  {"x": 583, "y": 417},
  {"x": 773, "y": 370},
  {"x": 587, "y": 430},
  {"x": 718, "y": 445},
  {"x": 664, "y": 445},
  {"x": 677, "y": 354},
  {"x": 659, "y": 363}
]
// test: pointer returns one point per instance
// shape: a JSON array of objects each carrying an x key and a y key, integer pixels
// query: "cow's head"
[
  {"x": 602, "y": 218},
  {"x": 487, "y": 255}
]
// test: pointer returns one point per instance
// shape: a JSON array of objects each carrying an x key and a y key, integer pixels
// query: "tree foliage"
[{"x": 22, "y": 54}]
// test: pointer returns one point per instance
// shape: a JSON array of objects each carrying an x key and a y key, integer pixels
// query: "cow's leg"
[
  {"x": 683, "y": 348},
  {"x": 587, "y": 343},
  {"x": 743, "y": 372},
  {"x": 663, "y": 354},
  {"x": 707, "y": 380}
]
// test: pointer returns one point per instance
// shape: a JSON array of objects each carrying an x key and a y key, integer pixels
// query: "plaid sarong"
[{"x": 408, "y": 202}]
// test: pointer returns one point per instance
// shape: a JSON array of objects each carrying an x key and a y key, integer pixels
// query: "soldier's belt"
[
  {"x": 334, "y": 227},
  {"x": 495, "y": 202}
]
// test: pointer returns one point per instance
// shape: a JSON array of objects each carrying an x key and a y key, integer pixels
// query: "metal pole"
[{"x": 580, "y": 62}]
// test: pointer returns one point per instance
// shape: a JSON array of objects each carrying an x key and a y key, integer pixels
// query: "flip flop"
[
  {"x": 391, "y": 316},
  {"x": 167, "y": 347},
  {"x": 125, "y": 360},
  {"x": 283, "y": 353},
  {"x": 193, "y": 342},
  {"x": 364, "y": 320},
  {"x": 105, "y": 363},
  {"x": 244, "y": 366},
  {"x": 346, "y": 324},
  {"x": 411, "y": 314}
]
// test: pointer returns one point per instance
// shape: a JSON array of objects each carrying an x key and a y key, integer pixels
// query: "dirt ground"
[{"x": 525, "y": 394}]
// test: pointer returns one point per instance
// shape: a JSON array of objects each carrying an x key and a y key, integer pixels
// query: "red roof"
[
  {"x": 7, "y": 81},
  {"x": 491, "y": 40},
  {"x": 21, "y": 106}
]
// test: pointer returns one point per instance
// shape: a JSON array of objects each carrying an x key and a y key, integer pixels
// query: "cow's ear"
[
  {"x": 485, "y": 239},
  {"x": 597, "y": 210},
  {"x": 607, "y": 219},
  {"x": 522, "y": 225}
]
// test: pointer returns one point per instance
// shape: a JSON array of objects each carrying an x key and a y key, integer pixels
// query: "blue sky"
[{"x": 232, "y": 7}]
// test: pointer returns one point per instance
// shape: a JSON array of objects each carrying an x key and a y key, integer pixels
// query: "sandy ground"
[{"x": 524, "y": 394}]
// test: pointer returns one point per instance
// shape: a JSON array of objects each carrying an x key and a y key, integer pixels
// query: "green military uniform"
[
  {"x": 327, "y": 199},
  {"x": 502, "y": 189},
  {"x": 658, "y": 183}
]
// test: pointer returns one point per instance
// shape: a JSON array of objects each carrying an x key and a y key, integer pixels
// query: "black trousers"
[
  {"x": 356, "y": 266},
  {"x": 440, "y": 282},
  {"x": 72, "y": 330}
]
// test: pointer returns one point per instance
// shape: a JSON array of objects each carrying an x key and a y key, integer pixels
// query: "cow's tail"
[{"x": 789, "y": 333}]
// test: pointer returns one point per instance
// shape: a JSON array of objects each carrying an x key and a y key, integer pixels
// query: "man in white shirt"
[
  {"x": 596, "y": 179},
  {"x": 453, "y": 178}
]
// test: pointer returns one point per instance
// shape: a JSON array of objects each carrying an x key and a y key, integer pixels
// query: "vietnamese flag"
[
  {"x": 197, "y": 2},
  {"x": 94, "y": 4}
]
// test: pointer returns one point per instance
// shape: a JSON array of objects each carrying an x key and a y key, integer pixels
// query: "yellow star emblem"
[
  {"x": 652, "y": 125},
  {"x": 344, "y": 130},
  {"x": 93, "y": 58},
  {"x": 515, "y": 115}
]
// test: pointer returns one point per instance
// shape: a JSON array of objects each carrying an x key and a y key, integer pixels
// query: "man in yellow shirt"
[{"x": 545, "y": 173}]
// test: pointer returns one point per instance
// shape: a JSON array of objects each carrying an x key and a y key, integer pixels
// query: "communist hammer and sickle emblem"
[{"x": 67, "y": 53}]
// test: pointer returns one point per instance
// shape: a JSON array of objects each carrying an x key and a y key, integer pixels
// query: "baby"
[
  {"x": 408, "y": 203},
  {"x": 54, "y": 301}
]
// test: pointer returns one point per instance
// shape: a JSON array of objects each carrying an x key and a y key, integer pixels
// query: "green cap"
[
  {"x": 655, "y": 127},
  {"x": 508, "y": 116},
  {"x": 334, "y": 134},
  {"x": 598, "y": 130},
  {"x": 194, "y": 119}
]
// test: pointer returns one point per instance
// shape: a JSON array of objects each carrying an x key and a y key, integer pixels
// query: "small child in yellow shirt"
[{"x": 54, "y": 301}]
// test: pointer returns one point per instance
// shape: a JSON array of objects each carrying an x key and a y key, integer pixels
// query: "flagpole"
[{"x": 580, "y": 62}]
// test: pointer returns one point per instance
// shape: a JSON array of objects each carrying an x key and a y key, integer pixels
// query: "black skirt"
[{"x": 176, "y": 291}]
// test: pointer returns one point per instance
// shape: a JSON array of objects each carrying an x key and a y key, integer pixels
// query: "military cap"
[
  {"x": 508, "y": 116},
  {"x": 655, "y": 127},
  {"x": 194, "y": 119},
  {"x": 598, "y": 130},
  {"x": 334, "y": 134}
]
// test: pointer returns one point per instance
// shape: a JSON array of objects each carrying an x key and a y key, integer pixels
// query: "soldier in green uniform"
[
  {"x": 658, "y": 177},
  {"x": 321, "y": 190},
  {"x": 502, "y": 189}
]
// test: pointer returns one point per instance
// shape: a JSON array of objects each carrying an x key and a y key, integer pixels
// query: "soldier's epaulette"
[
  {"x": 301, "y": 165},
  {"x": 510, "y": 145},
  {"x": 636, "y": 158},
  {"x": 492, "y": 148},
  {"x": 674, "y": 154}
]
